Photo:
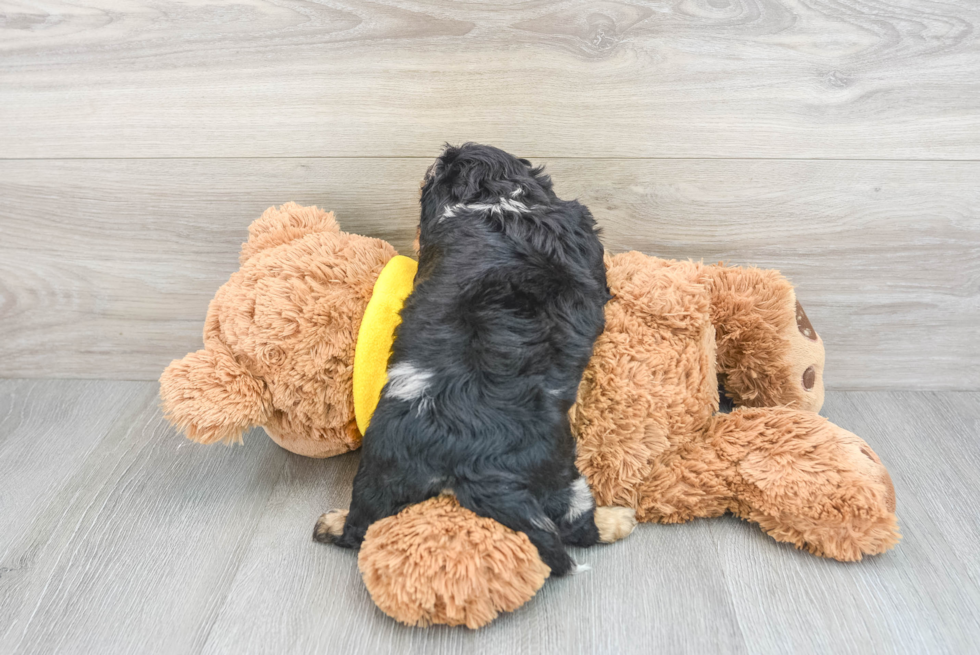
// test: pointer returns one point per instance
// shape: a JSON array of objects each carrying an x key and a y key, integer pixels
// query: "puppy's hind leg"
[
  {"x": 520, "y": 511},
  {"x": 330, "y": 526},
  {"x": 614, "y": 523},
  {"x": 572, "y": 509},
  {"x": 583, "y": 524},
  {"x": 372, "y": 500}
]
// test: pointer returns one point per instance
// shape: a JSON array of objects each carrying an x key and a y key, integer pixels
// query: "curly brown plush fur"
[
  {"x": 279, "y": 344},
  {"x": 279, "y": 338},
  {"x": 437, "y": 562},
  {"x": 768, "y": 353},
  {"x": 649, "y": 437}
]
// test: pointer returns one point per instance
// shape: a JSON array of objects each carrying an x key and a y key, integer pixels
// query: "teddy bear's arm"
[{"x": 211, "y": 398}]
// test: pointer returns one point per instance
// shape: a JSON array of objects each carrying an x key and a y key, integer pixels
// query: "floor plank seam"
[{"x": 241, "y": 556}]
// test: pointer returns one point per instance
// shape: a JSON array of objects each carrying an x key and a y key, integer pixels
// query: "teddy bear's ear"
[
  {"x": 279, "y": 225},
  {"x": 209, "y": 396}
]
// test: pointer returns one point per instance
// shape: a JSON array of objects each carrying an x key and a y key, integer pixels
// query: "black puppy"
[{"x": 507, "y": 303}]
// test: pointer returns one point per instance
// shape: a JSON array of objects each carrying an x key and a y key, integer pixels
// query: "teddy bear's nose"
[{"x": 809, "y": 378}]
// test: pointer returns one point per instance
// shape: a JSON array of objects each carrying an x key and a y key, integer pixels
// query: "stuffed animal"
[{"x": 296, "y": 342}]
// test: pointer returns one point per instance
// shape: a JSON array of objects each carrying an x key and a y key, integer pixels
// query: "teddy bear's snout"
[
  {"x": 803, "y": 323},
  {"x": 884, "y": 478}
]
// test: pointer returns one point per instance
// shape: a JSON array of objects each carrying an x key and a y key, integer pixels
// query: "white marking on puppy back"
[
  {"x": 513, "y": 205},
  {"x": 406, "y": 382},
  {"x": 425, "y": 404},
  {"x": 449, "y": 212},
  {"x": 544, "y": 524},
  {"x": 581, "y": 500}
]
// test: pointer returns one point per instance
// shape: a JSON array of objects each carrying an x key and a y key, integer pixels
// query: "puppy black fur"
[{"x": 507, "y": 303}]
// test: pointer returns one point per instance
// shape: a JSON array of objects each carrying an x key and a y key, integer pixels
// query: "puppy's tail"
[{"x": 520, "y": 511}]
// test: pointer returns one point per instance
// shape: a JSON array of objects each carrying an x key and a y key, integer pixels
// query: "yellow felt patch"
[{"x": 377, "y": 333}]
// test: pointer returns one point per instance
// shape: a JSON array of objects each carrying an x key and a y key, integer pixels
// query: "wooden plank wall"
[{"x": 838, "y": 141}]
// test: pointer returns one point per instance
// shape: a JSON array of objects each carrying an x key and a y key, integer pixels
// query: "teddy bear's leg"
[
  {"x": 769, "y": 355},
  {"x": 648, "y": 393},
  {"x": 807, "y": 482},
  {"x": 688, "y": 482}
]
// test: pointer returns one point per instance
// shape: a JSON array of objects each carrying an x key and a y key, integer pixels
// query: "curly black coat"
[{"x": 507, "y": 303}]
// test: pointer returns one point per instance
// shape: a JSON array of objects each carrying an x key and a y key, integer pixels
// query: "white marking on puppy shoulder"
[
  {"x": 581, "y": 500},
  {"x": 484, "y": 206},
  {"x": 406, "y": 382},
  {"x": 450, "y": 212}
]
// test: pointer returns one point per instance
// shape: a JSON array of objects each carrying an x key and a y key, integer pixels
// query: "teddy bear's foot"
[
  {"x": 614, "y": 523},
  {"x": 330, "y": 526}
]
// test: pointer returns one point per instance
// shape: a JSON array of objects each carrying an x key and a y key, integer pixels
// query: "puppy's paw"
[
  {"x": 330, "y": 526},
  {"x": 614, "y": 523}
]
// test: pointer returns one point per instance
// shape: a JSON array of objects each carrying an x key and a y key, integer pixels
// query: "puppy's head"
[{"x": 473, "y": 173}]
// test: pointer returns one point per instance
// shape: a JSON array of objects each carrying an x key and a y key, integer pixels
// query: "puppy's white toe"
[
  {"x": 581, "y": 568},
  {"x": 330, "y": 526},
  {"x": 614, "y": 523}
]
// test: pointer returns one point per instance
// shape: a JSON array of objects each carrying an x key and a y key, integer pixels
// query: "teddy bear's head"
[
  {"x": 769, "y": 355},
  {"x": 279, "y": 338}
]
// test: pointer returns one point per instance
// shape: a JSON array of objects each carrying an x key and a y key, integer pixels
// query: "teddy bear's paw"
[
  {"x": 614, "y": 523},
  {"x": 330, "y": 526}
]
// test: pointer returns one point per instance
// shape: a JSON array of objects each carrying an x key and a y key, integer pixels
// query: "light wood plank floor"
[{"x": 117, "y": 535}]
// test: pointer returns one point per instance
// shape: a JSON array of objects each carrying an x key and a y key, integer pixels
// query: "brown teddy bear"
[{"x": 283, "y": 334}]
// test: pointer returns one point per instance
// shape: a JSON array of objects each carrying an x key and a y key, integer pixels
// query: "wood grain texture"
[
  {"x": 906, "y": 601},
  {"x": 628, "y": 603},
  {"x": 147, "y": 543},
  {"x": 106, "y": 267},
  {"x": 679, "y": 78},
  {"x": 133, "y": 549},
  {"x": 47, "y": 431}
]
